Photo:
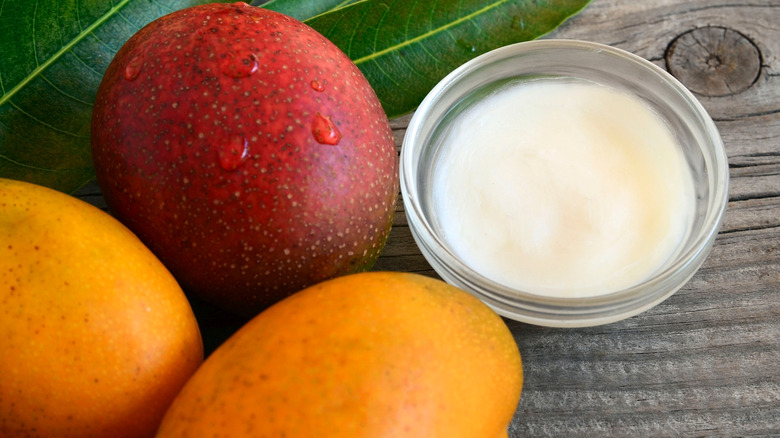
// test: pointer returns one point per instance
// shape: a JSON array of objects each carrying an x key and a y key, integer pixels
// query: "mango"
[
  {"x": 246, "y": 151},
  {"x": 96, "y": 336},
  {"x": 376, "y": 354}
]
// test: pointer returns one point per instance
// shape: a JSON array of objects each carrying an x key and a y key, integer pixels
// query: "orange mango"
[
  {"x": 96, "y": 337},
  {"x": 374, "y": 355}
]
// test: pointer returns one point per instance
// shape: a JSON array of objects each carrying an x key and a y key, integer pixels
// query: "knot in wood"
[{"x": 714, "y": 61}]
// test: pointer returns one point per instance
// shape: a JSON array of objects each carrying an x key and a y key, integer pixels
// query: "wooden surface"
[{"x": 706, "y": 362}]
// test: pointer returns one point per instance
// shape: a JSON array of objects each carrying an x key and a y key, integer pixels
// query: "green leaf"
[
  {"x": 404, "y": 47},
  {"x": 302, "y": 9},
  {"x": 53, "y": 54}
]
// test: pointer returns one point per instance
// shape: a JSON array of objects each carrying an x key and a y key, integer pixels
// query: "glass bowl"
[{"x": 688, "y": 121}]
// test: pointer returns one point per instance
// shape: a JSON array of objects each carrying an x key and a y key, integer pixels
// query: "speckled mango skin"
[
  {"x": 96, "y": 337},
  {"x": 183, "y": 97},
  {"x": 367, "y": 355}
]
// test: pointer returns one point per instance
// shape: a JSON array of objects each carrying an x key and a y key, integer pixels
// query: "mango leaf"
[
  {"x": 53, "y": 54},
  {"x": 302, "y": 9},
  {"x": 404, "y": 47}
]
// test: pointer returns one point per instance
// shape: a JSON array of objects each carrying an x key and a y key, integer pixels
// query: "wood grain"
[{"x": 706, "y": 362}]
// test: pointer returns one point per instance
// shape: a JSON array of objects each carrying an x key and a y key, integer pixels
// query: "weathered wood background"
[{"x": 706, "y": 362}]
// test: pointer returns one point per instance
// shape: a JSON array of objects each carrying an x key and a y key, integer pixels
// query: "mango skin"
[
  {"x": 96, "y": 337},
  {"x": 376, "y": 354}
]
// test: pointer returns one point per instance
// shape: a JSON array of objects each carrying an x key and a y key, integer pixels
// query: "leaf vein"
[
  {"x": 412, "y": 68},
  {"x": 41, "y": 67},
  {"x": 334, "y": 26},
  {"x": 64, "y": 93},
  {"x": 353, "y": 33},
  {"x": 378, "y": 30},
  {"x": 387, "y": 75},
  {"x": 127, "y": 20},
  {"x": 78, "y": 16},
  {"x": 163, "y": 6},
  {"x": 431, "y": 54},
  {"x": 432, "y": 15},
  {"x": 34, "y": 41},
  {"x": 430, "y": 33},
  {"x": 42, "y": 123},
  {"x": 104, "y": 43},
  {"x": 430, "y": 26},
  {"x": 28, "y": 166},
  {"x": 85, "y": 64}
]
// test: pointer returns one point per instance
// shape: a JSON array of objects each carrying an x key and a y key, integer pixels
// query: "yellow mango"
[
  {"x": 380, "y": 354},
  {"x": 96, "y": 336}
]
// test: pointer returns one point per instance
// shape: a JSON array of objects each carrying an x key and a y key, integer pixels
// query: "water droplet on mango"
[
  {"x": 132, "y": 69},
  {"x": 233, "y": 153},
  {"x": 317, "y": 86},
  {"x": 324, "y": 130},
  {"x": 239, "y": 66}
]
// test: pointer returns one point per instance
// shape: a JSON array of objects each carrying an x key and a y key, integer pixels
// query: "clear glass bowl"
[{"x": 693, "y": 128}]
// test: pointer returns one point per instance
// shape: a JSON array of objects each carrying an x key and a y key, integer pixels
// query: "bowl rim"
[{"x": 585, "y": 311}]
